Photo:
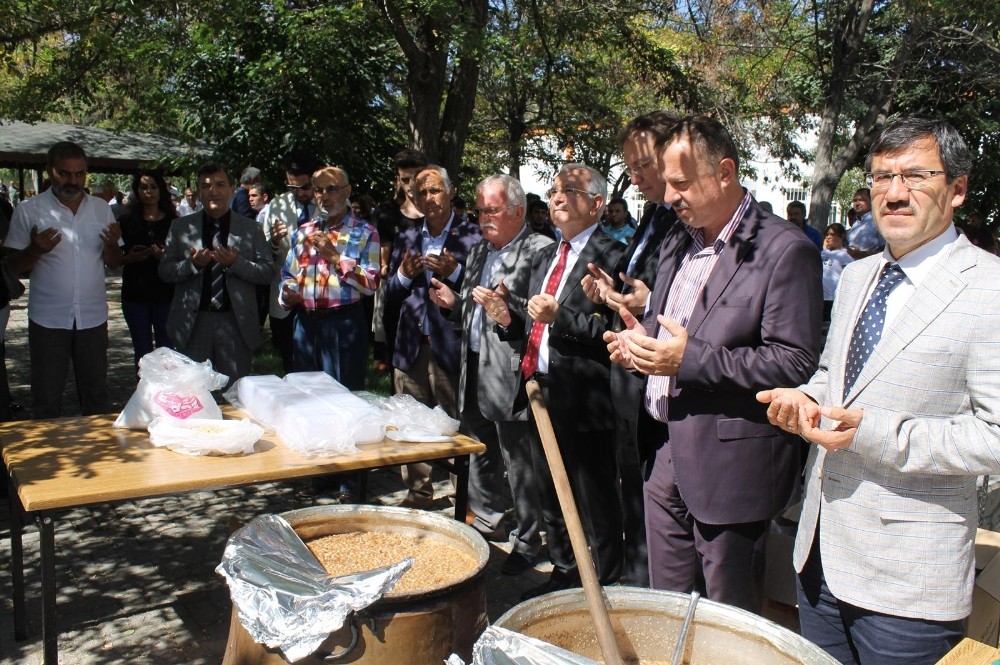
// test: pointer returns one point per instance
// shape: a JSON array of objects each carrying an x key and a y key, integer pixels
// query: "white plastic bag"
[
  {"x": 201, "y": 437},
  {"x": 174, "y": 386}
]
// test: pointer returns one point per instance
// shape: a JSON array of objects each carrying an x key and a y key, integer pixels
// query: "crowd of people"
[{"x": 681, "y": 357}]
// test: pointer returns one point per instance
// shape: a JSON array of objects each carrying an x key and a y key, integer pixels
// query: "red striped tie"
[{"x": 530, "y": 363}]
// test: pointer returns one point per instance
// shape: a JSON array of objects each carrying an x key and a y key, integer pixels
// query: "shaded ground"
[{"x": 136, "y": 581}]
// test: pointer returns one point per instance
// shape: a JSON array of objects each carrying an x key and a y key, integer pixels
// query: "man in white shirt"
[{"x": 66, "y": 237}]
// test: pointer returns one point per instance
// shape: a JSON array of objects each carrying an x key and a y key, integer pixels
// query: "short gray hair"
[
  {"x": 511, "y": 187},
  {"x": 442, "y": 173},
  {"x": 598, "y": 185}
]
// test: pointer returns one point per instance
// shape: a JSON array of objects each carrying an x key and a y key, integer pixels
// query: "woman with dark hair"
[{"x": 145, "y": 297}]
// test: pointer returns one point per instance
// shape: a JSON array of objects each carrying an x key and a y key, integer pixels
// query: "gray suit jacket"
[
  {"x": 254, "y": 265},
  {"x": 899, "y": 505},
  {"x": 499, "y": 361}
]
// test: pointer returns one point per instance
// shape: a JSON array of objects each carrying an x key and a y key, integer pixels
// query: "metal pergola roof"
[{"x": 24, "y": 145}]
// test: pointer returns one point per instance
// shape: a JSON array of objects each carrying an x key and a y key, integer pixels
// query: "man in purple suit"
[
  {"x": 428, "y": 347},
  {"x": 737, "y": 303}
]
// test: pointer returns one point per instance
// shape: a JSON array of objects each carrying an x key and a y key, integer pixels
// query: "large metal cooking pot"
[
  {"x": 400, "y": 628},
  {"x": 652, "y": 620}
]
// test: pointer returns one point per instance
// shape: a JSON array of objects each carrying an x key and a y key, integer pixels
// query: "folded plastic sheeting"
[
  {"x": 310, "y": 411},
  {"x": 499, "y": 646},
  {"x": 284, "y": 597}
]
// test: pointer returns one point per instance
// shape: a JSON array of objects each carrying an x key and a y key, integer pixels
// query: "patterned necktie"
[
  {"x": 530, "y": 363},
  {"x": 868, "y": 330},
  {"x": 218, "y": 273}
]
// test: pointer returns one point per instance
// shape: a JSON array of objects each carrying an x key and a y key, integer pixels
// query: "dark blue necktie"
[
  {"x": 303, "y": 213},
  {"x": 868, "y": 330}
]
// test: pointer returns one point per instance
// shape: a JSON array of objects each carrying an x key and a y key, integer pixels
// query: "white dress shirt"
[
  {"x": 576, "y": 246},
  {"x": 67, "y": 284}
]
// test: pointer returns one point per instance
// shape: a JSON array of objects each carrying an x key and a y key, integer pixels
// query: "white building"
[{"x": 770, "y": 183}]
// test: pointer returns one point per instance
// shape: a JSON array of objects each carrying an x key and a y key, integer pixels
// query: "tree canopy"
[{"x": 487, "y": 85}]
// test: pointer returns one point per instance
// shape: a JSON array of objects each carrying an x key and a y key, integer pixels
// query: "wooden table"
[
  {"x": 66, "y": 463},
  {"x": 971, "y": 652}
]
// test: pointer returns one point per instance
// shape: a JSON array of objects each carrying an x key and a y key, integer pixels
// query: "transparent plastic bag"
[{"x": 409, "y": 420}]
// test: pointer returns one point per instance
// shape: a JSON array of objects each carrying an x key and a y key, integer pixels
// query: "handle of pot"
[{"x": 329, "y": 657}]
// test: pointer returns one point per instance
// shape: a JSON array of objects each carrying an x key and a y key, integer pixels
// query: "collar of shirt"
[
  {"x": 426, "y": 232},
  {"x": 916, "y": 266},
  {"x": 918, "y": 263},
  {"x": 84, "y": 202},
  {"x": 490, "y": 249},
  {"x": 348, "y": 220},
  {"x": 727, "y": 231},
  {"x": 577, "y": 244}
]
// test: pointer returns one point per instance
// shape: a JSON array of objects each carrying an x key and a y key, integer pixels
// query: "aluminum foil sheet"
[
  {"x": 499, "y": 646},
  {"x": 284, "y": 597}
]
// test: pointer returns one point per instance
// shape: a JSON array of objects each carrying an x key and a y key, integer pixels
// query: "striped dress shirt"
[{"x": 692, "y": 275}]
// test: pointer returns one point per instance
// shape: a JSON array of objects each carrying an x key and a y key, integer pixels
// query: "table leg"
[
  {"x": 50, "y": 631},
  {"x": 17, "y": 560},
  {"x": 461, "y": 471},
  {"x": 363, "y": 486}
]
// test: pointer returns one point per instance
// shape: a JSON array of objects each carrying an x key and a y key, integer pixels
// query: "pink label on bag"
[{"x": 178, "y": 406}]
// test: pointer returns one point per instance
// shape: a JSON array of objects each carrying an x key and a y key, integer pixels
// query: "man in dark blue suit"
[{"x": 428, "y": 347}]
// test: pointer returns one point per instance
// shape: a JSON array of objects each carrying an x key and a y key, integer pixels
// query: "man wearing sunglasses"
[{"x": 284, "y": 214}]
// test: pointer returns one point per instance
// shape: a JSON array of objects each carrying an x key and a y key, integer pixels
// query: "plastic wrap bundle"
[
  {"x": 413, "y": 421},
  {"x": 283, "y": 596},
  {"x": 333, "y": 421},
  {"x": 205, "y": 437},
  {"x": 311, "y": 412},
  {"x": 264, "y": 396},
  {"x": 172, "y": 385},
  {"x": 316, "y": 383}
]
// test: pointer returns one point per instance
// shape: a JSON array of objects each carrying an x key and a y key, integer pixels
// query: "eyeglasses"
[
  {"x": 635, "y": 169},
  {"x": 330, "y": 189},
  {"x": 306, "y": 187},
  {"x": 882, "y": 180},
  {"x": 491, "y": 212},
  {"x": 567, "y": 191}
]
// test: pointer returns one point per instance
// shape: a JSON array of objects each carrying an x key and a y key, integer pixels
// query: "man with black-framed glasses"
[
  {"x": 561, "y": 330},
  {"x": 903, "y": 414}
]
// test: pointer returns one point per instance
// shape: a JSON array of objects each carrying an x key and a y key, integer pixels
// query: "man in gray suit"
[
  {"x": 489, "y": 378},
  {"x": 905, "y": 412},
  {"x": 216, "y": 258}
]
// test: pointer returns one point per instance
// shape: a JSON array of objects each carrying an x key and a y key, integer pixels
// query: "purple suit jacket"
[
  {"x": 411, "y": 305},
  {"x": 755, "y": 326}
]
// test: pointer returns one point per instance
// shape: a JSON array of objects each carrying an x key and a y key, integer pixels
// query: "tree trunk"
[{"x": 439, "y": 126}]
